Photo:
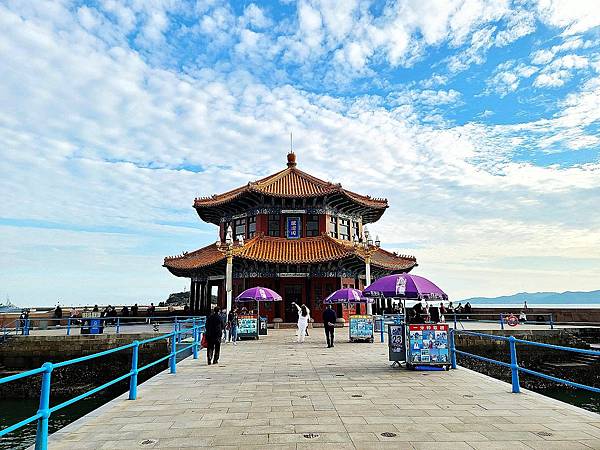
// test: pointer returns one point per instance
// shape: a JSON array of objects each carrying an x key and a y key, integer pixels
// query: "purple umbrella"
[
  {"x": 404, "y": 285},
  {"x": 347, "y": 295},
  {"x": 258, "y": 294}
]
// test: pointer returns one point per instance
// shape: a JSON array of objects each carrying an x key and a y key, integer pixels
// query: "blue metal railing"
[
  {"x": 69, "y": 324},
  {"x": 514, "y": 365},
  {"x": 195, "y": 330},
  {"x": 380, "y": 321}
]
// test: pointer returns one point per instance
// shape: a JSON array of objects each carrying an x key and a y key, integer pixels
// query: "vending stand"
[
  {"x": 250, "y": 326},
  {"x": 361, "y": 325},
  {"x": 421, "y": 345}
]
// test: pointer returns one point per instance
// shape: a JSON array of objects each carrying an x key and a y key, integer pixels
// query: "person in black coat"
[
  {"x": 214, "y": 332},
  {"x": 329, "y": 319},
  {"x": 434, "y": 313}
]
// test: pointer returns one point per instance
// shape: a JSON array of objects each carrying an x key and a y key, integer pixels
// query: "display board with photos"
[
  {"x": 428, "y": 344},
  {"x": 361, "y": 327},
  {"x": 247, "y": 326}
]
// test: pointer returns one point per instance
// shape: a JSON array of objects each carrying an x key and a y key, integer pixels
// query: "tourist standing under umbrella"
[{"x": 329, "y": 320}]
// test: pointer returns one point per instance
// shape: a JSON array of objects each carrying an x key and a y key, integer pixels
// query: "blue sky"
[{"x": 479, "y": 121}]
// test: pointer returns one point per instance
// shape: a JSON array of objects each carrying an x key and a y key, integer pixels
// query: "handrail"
[
  {"x": 25, "y": 326},
  {"x": 45, "y": 410},
  {"x": 514, "y": 365}
]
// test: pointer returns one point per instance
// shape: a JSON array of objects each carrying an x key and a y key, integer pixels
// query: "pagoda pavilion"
[{"x": 291, "y": 232}]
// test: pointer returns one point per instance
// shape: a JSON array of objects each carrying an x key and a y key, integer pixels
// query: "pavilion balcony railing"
[
  {"x": 514, "y": 365},
  {"x": 70, "y": 325},
  {"x": 191, "y": 328}
]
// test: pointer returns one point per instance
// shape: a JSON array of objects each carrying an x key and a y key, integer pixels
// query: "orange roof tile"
[
  {"x": 197, "y": 259},
  {"x": 275, "y": 250},
  {"x": 290, "y": 183},
  {"x": 392, "y": 261},
  {"x": 293, "y": 251}
]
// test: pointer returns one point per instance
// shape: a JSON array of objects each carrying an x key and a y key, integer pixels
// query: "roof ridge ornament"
[{"x": 291, "y": 159}]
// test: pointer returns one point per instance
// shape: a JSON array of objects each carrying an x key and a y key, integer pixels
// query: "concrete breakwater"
[
  {"x": 567, "y": 365},
  {"x": 559, "y": 315},
  {"x": 24, "y": 353}
]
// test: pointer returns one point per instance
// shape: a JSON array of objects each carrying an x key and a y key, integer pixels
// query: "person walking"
[
  {"x": 214, "y": 332},
  {"x": 329, "y": 320},
  {"x": 232, "y": 325},
  {"x": 302, "y": 321},
  {"x": 223, "y": 318}
]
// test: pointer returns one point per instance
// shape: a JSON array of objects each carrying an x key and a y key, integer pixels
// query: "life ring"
[{"x": 512, "y": 320}]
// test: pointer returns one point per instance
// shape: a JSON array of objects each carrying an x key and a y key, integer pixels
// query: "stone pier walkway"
[{"x": 276, "y": 394}]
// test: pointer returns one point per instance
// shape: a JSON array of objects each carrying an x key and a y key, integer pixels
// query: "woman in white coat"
[{"x": 303, "y": 318}]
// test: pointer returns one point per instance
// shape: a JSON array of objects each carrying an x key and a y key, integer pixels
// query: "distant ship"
[{"x": 8, "y": 307}]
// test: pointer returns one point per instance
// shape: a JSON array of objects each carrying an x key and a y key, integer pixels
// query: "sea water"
[{"x": 14, "y": 411}]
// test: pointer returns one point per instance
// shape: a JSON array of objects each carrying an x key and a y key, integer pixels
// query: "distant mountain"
[{"x": 538, "y": 298}]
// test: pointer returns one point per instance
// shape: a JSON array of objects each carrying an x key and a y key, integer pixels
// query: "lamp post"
[
  {"x": 229, "y": 267},
  {"x": 368, "y": 249}
]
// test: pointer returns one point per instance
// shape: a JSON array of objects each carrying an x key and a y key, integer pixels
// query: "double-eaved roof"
[
  {"x": 292, "y": 183},
  {"x": 276, "y": 250}
]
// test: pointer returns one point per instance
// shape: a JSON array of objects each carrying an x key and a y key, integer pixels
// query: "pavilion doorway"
[{"x": 292, "y": 294}]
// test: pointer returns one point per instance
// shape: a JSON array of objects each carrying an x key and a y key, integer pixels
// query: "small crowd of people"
[
  {"x": 329, "y": 320},
  {"x": 221, "y": 327},
  {"x": 423, "y": 312}
]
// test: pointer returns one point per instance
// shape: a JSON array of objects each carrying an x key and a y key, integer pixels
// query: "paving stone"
[{"x": 269, "y": 394}]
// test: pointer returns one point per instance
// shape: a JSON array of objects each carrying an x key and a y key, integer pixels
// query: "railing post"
[
  {"x": 195, "y": 336},
  {"x": 501, "y": 321},
  {"x": 381, "y": 328},
  {"x": 452, "y": 350},
  {"x": 173, "y": 360},
  {"x": 69, "y": 326},
  {"x": 134, "y": 371},
  {"x": 552, "y": 321},
  {"x": 514, "y": 366},
  {"x": 177, "y": 328},
  {"x": 41, "y": 436},
  {"x": 118, "y": 325},
  {"x": 454, "y": 312}
]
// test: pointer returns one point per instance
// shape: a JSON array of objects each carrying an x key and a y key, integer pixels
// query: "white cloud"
[
  {"x": 104, "y": 144},
  {"x": 574, "y": 16},
  {"x": 560, "y": 71},
  {"x": 508, "y": 76}
]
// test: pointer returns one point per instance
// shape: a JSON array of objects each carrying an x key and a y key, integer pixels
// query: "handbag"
[{"x": 203, "y": 342}]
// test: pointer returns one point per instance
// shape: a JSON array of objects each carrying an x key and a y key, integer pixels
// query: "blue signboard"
[
  {"x": 293, "y": 227},
  {"x": 95, "y": 326},
  {"x": 361, "y": 327}
]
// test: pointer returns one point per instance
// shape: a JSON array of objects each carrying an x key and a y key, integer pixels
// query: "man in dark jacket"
[
  {"x": 214, "y": 332},
  {"x": 329, "y": 319}
]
